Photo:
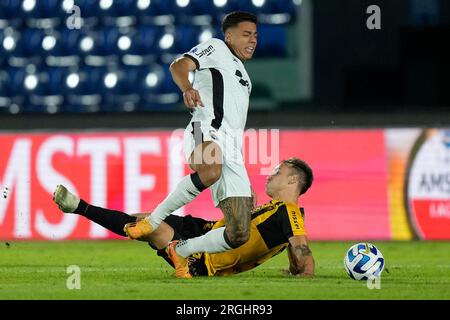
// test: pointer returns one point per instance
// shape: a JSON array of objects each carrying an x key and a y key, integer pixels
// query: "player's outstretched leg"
[
  {"x": 66, "y": 201},
  {"x": 206, "y": 174},
  {"x": 110, "y": 219},
  {"x": 180, "y": 263}
]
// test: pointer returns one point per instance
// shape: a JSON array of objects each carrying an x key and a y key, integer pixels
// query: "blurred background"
[{"x": 86, "y": 99}]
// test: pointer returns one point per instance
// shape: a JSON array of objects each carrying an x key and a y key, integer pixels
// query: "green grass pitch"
[{"x": 131, "y": 270}]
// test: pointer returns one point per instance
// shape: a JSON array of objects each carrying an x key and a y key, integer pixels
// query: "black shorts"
[
  {"x": 185, "y": 228},
  {"x": 188, "y": 226}
]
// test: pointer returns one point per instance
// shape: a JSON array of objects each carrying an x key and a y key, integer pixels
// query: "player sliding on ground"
[{"x": 274, "y": 226}]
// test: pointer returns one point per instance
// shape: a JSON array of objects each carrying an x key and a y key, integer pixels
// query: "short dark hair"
[
  {"x": 304, "y": 171},
  {"x": 234, "y": 18}
]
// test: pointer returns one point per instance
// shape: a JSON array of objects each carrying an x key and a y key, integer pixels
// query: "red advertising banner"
[
  {"x": 134, "y": 171},
  {"x": 348, "y": 199}
]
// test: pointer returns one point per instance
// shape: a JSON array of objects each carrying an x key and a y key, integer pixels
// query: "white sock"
[
  {"x": 211, "y": 242},
  {"x": 187, "y": 190}
]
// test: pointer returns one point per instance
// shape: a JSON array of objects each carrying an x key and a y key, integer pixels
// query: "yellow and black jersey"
[{"x": 271, "y": 227}]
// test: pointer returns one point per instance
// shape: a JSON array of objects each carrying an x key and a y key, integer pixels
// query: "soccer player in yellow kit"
[{"x": 275, "y": 226}]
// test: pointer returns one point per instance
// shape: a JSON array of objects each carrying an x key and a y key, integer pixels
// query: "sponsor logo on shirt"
[
  {"x": 205, "y": 52},
  {"x": 295, "y": 220}
]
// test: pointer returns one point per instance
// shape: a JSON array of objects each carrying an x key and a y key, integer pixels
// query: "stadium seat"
[
  {"x": 50, "y": 43},
  {"x": 176, "y": 40},
  {"x": 185, "y": 37},
  {"x": 185, "y": 11},
  {"x": 9, "y": 38},
  {"x": 5, "y": 99},
  {"x": 272, "y": 41},
  {"x": 145, "y": 79},
  {"x": 154, "y": 12},
  {"x": 65, "y": 51},
  {"x": 16, "y": 81},
  {"x": 219, "y": 8},
  {"x": 122, "y": 8},
  {"x": 69, "y": 42},
  {"x": 81, "y": 43},
  {"x": 144, "y": 40},
  {"x": 278, "y": 12},
  {"x": 286, "y": 6},
  {"x": 161, "y": 7},
  {"x": 137, "y": 46},
  {"x": 89, "y": 8},
  {"x": 81, "y": 90},
  {"x": 133, "y": 85},
  {"x": 199, "y": 8},
  {"x": 118, "y": 13},
  {"x": 159, "y": 90},
  {"x": 169, "y": 85},
  {"x": 109, "y": 44},
  {"x": 53, "y": 80},
  {"x": 12, "y": 9},
  {"x": 4, "y": 15},
  {"x": 253, "y": 6},
  {"x": 27, "y": 43},
  {"x": 98, "y": 47},
  {"x": 166, "y": 41},
  {"x": 41, "y": 9},
  {"x": 119, "y": 99},
  {"x": 19, "y": 83},
  {"x": 205, "y": 33},
  {"x": 43, "y": 90}
]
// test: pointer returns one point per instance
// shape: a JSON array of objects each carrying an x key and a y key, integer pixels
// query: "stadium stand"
[{"x": 117, "y": 61}]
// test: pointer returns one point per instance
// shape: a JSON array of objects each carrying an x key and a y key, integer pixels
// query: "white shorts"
[{"x": 234, "y": 181}]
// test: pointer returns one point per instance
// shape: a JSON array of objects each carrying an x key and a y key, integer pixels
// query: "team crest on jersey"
[
  {"x": 213, "y": 134},
  {"x": 242, "y": 81},
  {"x": 264, "y": 207}
]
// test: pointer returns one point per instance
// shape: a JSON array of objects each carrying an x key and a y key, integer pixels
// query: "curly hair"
[{"x": 234, "y": 18}]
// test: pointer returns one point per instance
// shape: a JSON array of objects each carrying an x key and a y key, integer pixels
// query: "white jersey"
[
  {"x": 223, "y": 84},
  {"x": 224, "y": 88}
]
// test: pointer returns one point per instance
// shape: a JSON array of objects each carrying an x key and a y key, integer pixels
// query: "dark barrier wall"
[
  {"x": 405, "y": 63},
  {"x": 297, "y": 118}
]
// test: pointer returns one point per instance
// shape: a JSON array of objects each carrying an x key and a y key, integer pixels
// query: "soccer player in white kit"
[{"x": 218, "y": 100}]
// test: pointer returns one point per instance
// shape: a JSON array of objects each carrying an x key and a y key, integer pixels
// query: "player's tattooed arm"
[
  {"x": 302, "y": 250},
  {"x": 301, "y": 260}
]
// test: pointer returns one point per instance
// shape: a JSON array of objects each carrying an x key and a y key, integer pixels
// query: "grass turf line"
[{"x": 131, "y": 270}]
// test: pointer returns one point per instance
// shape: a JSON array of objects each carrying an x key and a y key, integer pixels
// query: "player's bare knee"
[
  {"x": 215, "y": 171},
  {"x": 210, "y": 174}
]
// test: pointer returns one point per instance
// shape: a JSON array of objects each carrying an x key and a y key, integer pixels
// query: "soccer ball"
[{"x": 364, "y": 261}]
